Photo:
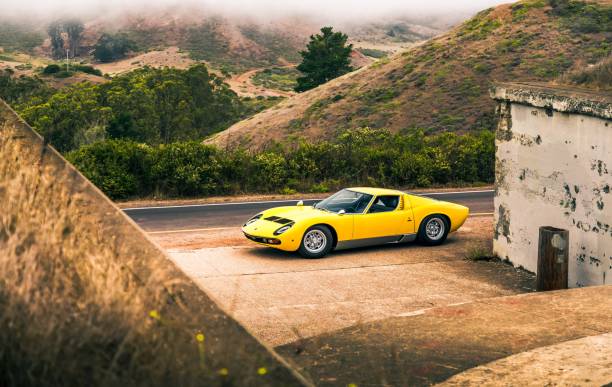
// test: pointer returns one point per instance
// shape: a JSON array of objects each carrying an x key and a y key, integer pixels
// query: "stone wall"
[
  {"x": 554, "y": 168},
  {"x": 50, "y": 215}
]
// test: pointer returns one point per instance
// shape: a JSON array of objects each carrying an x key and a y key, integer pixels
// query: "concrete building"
[{"x": 554, "y": 168}]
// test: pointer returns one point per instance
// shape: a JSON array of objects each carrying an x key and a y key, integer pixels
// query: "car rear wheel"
[
  {"x": 316, "y": 242},
  {"x": 434, "y": 230}
]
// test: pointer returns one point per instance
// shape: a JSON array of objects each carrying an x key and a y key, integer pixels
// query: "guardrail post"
[{"x": 553, "y": 259}]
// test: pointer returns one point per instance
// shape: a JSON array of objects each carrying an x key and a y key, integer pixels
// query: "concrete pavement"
[
  {"x": 432, "y": 346},
  {"x": 281, "y": 297},
  {"x": 404, "y": 315},
  {"x": 585, "y": 361}
]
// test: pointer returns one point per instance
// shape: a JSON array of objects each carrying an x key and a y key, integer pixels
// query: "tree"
[
  {"x": 57, "y": 41},
  {"x": 74, "y": 29},
  {"x": 65, "y": 116},
  {"x": 147, "y": 105},
  {"x": 112, "y": 47},
  {"x": 326, "y": 57}
]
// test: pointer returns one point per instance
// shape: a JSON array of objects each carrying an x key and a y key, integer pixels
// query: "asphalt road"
[{"x": 191, "y": 217}]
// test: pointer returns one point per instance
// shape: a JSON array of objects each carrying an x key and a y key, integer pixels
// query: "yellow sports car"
[{"x": 355, "y": 217}]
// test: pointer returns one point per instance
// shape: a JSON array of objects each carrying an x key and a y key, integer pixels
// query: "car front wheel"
[
  {"x": 316, "y": 242},
  {"x": 434, "y": 230}
]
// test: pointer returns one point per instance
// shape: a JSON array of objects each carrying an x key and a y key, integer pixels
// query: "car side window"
[
  {"x": 361, "y": 204},
  {"x": 385, "y": 203}
]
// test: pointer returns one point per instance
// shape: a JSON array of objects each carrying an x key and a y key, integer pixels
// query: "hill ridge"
[{"x": 442, "y": 84}]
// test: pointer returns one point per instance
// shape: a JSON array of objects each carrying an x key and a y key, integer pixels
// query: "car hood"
[
  {"x": 294, "y": 213},
  {"x": 280, "y": 216}
]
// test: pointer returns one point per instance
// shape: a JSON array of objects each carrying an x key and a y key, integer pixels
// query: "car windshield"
[{"x": 351, "y": 202}]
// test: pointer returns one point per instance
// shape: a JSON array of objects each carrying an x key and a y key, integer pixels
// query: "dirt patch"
[
  {"x": 243, "y": 85},
  {"x": 202, "y": 239},
  {"x": 170, "y": 57}
]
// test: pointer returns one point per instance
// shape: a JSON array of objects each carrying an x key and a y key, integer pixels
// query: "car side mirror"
[
  {"x": 341, "y": 212},
  {"x": 300, "y": 203}
]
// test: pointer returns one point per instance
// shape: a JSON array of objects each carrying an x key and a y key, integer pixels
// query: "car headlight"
[
  {"x": 253, "y": 219},
  {"x": 283, "y": 229}
]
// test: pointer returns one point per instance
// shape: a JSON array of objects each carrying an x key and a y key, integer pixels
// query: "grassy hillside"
[
  {"x": 442, "y": 85},
  {"x": 19, "y": 36},
  {"x": 232, "y": 43}
]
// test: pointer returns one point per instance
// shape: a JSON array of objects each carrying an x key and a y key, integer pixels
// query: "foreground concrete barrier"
[{"x": 79, "y": 280}]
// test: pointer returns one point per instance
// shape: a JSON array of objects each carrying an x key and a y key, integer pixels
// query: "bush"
[
  {"x": 280, "y": 78},
  {"x": 119, "y": 168},
  {"x": 480, "y": 26},
  {"x": 358, "y": 157},
  {"x": 63, "y": 74},
  {"x": 373, "y": 53},
  {"x": 581, "y": 17},
  {"x": 187, "y": 169},
  {"x": 52, "y": 69},
  {"x": 597, "y": 76},
  {"x": 146, "y": 105},
  {"x": 112, "y": 47},
  {"x": 88, "y": 70}
]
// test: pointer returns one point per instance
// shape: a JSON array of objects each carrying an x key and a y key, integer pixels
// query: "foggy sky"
[{"x": 330, "y": 9}]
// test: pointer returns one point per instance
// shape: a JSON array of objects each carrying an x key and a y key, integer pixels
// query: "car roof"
[{"x": 376, "y": 191}]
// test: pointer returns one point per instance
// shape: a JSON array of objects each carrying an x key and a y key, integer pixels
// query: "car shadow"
[{"x": 271, "y": 253}]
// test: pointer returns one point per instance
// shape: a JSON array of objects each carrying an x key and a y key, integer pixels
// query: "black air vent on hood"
[{"x": 278, "y": 219}]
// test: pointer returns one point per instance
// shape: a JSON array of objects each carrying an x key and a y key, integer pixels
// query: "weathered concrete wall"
[
  {"x": 50, "y": 215},
  {"x": 554, "y": 168}
]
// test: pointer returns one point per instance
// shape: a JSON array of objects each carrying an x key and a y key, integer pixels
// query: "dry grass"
[
  {"x": 479, "y": 252},
  {"x": 85, "y": 321},
  {"x": 87, "y": 300},
  {"x": 598, "y": 76}
]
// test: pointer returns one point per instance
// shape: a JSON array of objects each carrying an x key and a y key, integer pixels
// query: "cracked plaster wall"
[{"x": 554, "y": 169}]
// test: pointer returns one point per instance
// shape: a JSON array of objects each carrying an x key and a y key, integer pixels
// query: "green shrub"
[
  {"x": 268, "y": 172},
  {"x": 380, "y": 95},
  {"x": 581, "y": 17},
  {"x": 521, "y": 9},
  {"x": 373, "y": 53},
  {"x": 145, "y": 105},
  {"x": 480, "y": 26},
  {"x": 319, "y": 188},
  {"x": 52, "y": 69},
  {"x": 598, "y": 76},
  {"x": 483, "y": 68},
  {"x": 88, "y": 70},
  {"x": 357, "y": 157},
  {"x": 110, "y": 47},
  {"x": 279, "y": 78},
  {"x": 288, "y": 191},
  {"x": 17, "y": 91},
  {"x": 119, "y": 168},
  {"x": 63, "y": 74},
  {"x": 551, "y": 68},
  {"x": 409, "y": 68},
  {"x": 186, "y": 169}
]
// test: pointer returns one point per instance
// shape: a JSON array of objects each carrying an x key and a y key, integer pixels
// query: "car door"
[{"x": 386, "y": 216}]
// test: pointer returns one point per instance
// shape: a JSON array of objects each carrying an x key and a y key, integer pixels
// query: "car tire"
[
  {"x": 433, "y": 230},
  {"x": 317, "y": 242}
]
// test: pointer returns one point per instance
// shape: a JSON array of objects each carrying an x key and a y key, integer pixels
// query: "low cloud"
[{"x": 341, "y": 10}]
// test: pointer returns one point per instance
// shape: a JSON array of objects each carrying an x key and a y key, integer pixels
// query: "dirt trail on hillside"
[
  {"x": 170, "y": 57},
  {"x": 243, "y": 85}
]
